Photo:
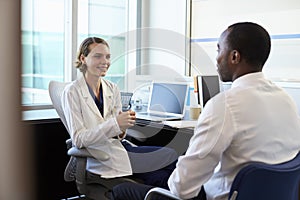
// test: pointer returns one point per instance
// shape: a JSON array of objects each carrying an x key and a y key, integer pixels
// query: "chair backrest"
[
  {"x": 55, "y": 91},
  {"x": 75, "y": 167},
  {"x": 264, "y": 181}
]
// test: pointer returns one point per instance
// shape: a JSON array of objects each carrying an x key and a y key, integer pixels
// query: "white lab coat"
[{"x": 89, "y": 129}]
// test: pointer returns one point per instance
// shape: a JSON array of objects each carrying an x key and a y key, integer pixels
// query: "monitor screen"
[
  {"x": 168, "y": 97},
  {"x": 208, "y": 87}
]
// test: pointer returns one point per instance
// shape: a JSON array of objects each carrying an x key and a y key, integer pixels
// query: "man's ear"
[{"x": 235, "y": 57}]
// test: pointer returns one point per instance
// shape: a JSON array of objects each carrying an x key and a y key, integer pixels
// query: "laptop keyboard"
[{"x": 157, "y": 115}]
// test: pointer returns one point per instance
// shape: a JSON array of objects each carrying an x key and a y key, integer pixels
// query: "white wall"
[
  {"x": 164, "y": 40},
  {"x": 280, "y": 18}
]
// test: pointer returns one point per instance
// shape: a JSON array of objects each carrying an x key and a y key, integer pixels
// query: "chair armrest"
[
  {"x": 77, "y": 164},
  {"x": 76, "y": 152},
  {"x": 160, "y": 191},
  {"x": 139, "y": 136},
  {"x": 69, "y": 143}
]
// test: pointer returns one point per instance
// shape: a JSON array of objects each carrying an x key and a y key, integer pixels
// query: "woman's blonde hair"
[{"x": 85, "y": 50}]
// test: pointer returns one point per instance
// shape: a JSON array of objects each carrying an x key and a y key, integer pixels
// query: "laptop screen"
[
  {"x": 208, "y": 87},
  {"x": 168, "y": 97}
]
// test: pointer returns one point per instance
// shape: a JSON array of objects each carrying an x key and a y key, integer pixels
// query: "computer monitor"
[
  {"x": 168, "y": 97},
  {"x": 208, "y": 86}
]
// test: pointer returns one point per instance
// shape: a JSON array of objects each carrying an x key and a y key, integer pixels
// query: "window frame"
[
  {"x": 70, "y": 48},
  {"x": 133, "y": 59}
]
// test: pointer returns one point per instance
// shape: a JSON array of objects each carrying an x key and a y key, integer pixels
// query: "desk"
[
  {"x": 50, "y": 156},
  {"x": 157, "y": 134}
]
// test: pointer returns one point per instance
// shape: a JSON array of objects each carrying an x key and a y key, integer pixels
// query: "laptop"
[
  {"x": 208, "y": 87},
  {"x": 167, "y": 101}
]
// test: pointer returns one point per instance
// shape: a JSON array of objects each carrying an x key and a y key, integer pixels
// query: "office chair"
[
  {"x": 92, "y": 186},
  {"x": 258, "y": 181}
]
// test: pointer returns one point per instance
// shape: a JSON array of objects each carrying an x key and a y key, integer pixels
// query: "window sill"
[{"x": 40, "y": 115}]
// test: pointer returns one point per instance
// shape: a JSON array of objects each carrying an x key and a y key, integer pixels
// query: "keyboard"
[{"x": 157, "y": 115}]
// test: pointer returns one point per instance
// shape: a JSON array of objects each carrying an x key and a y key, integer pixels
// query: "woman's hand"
[{"x": 126, "y": 119}]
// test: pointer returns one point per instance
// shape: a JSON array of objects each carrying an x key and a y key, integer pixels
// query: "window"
[
  {"x": 47, "y": 26},
  {"x": 42, "y": 48},
  {"x": 108, "y": 20},
  {"x": 136, "y": 31}
]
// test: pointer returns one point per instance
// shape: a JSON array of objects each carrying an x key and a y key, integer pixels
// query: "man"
[{"x": 254, "y": 121}]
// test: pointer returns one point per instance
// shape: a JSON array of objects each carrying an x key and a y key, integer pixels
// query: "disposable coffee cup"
[{"x": 195, "y": 112}]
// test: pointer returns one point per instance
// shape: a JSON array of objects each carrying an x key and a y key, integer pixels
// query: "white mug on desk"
[{"x": 195, "y": 111}]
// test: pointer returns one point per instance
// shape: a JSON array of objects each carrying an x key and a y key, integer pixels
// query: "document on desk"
[{"x": 181, "y": 123}]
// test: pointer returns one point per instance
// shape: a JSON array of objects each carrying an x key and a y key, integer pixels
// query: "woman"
[{"x": 92, "y": 106}]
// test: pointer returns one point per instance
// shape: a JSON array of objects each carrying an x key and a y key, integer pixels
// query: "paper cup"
[{"x": 195, "y": 112}]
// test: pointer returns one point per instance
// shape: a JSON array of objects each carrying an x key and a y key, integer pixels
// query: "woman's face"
[{"x": 98, "y": 60}]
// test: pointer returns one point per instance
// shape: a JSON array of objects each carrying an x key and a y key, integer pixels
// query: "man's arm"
[{"x": 204, "y": 152}]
